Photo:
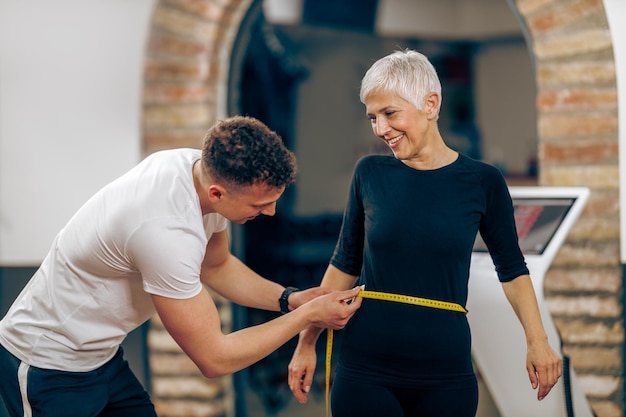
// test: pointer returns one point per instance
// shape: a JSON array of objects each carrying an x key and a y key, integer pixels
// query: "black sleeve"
[
  {"x": 499, "y": 231},
  {"x": 348, "y": 254}
]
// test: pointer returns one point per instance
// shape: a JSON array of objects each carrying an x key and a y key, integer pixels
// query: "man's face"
[{"x": 246, "y": 203}]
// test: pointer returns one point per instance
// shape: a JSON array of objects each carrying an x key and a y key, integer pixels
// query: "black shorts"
[{"x": 111, "y": 390}]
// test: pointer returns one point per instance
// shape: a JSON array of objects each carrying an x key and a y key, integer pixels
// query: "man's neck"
[{"x": 200, "y": 182}]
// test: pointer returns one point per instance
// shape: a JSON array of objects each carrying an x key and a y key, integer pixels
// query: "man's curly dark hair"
[{"x": 243, "y": 151}]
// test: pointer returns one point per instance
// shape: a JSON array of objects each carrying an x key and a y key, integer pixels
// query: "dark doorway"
[{"x": 302, "y": 80}]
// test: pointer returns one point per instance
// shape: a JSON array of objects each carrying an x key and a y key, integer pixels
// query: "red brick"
[
  {"x": 208, "y": 9},
  {"x": 595, "y": 229},
  {"x": 567, "y": 74},
  {"x": 577, "y": 99},
  {"x": 606, "y": 408},
  {"x": 602, "y": 203},
  {"x": 590, "y": 331},
  {"x": 586, "y": 151},
  {"x": 192, "y": 407},
  {"x": 184, "y": 24},
  {"x": 163, "y": 44},
  {"x": 599, "y": 177},
  {"x": 177, "y": 93},
  {"x": 570, "y": 45},
  {"x": 564, "y": 14},
  {"x": 167, "y": 139},
  {"x": 576, "y": 280},
  {"x": 576, "y": 125},
  {"x": 177, "y": 116},
  {"x": 595, "y": 358},
  {"x": 188, "y": 386},
  {"x": 600, "y": 255},
  {"x": 599, "y": 385},
  {"x": 528, "y": 7},
  {"x": 176, "y": 70}
]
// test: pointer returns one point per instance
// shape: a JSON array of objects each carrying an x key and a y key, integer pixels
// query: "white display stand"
[{"x": 544, "y": 216}]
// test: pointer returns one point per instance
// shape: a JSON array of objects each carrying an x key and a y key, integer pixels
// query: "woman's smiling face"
[{"x": 402, "y": 126}]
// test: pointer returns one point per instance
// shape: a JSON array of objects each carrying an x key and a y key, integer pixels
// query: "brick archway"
[{"x": 186, "y": 81}]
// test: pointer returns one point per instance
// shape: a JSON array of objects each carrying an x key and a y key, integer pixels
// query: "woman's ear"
[{"x": 431, "y": 105}]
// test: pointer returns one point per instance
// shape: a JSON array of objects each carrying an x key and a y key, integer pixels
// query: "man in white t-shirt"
[{"x": 148, "y": 242}]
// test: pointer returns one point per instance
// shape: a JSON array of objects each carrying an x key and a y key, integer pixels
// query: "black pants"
[
  {"x": 351, "y": 397},
  {"x": 109, "y": 391}
]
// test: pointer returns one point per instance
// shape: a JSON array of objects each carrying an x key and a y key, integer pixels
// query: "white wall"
[{"x": 71, "y": 74}]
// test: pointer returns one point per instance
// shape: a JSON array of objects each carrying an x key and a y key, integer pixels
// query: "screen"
[{"x": 537, "y": 220}]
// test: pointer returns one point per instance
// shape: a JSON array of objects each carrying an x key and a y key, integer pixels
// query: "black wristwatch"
[{"x": 283, "y": 301}]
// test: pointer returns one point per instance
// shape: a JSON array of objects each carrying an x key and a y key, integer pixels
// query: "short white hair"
[{"x": 406, "y": 73}]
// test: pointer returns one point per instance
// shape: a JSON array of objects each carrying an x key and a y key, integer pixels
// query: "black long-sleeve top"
[{"x": 411, "y": 232}]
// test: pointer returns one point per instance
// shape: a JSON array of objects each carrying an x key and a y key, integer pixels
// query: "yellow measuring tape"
[{"x": 385, "y": 296}]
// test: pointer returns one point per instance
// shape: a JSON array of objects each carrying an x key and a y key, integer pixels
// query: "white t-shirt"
[{"x": 142, "y": 234}]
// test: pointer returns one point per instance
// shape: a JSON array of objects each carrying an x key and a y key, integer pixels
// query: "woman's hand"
[{"x": 302, "y": 367}]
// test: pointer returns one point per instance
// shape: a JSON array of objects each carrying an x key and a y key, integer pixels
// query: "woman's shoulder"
[
  {"x": 479, "y": 173},
  {"x": 467, "y": 161},
  {"x": 479, "y": 167},
  {"x": 373, "y": 160}
]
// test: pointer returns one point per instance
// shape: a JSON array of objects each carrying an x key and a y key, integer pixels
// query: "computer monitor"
[{"x": 537, "y": 220}]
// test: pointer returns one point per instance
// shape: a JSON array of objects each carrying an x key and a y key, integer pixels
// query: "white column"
[{"x": 616, "y": 14}]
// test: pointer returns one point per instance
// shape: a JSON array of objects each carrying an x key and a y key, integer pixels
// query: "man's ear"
[{"x": 216, "y": 192}]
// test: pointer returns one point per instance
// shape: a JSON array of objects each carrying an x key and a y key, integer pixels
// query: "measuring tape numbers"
[{"x": 384, "y": 296}]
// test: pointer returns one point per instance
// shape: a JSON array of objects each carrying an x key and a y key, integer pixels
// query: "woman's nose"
[{"x": 380, "y": 127}]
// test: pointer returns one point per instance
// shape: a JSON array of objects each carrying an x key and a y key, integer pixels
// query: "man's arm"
[
  {"x": 232, "y": 279},
  {"x": 336, "y": 280},
  {"x": 543, "y": 364},
  {"x": 194, "y": 324}
]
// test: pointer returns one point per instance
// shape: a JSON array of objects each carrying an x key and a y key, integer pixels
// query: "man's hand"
[{"x": 333, "y": 310}]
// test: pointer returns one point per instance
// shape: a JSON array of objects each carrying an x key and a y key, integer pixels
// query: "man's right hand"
[{"x": 335, "y": 309}]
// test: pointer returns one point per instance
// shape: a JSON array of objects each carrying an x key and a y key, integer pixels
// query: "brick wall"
[{"x": 185, "y": 91}]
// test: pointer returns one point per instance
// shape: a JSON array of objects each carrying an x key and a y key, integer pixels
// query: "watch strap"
[{"x": 283, "y": 301}]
